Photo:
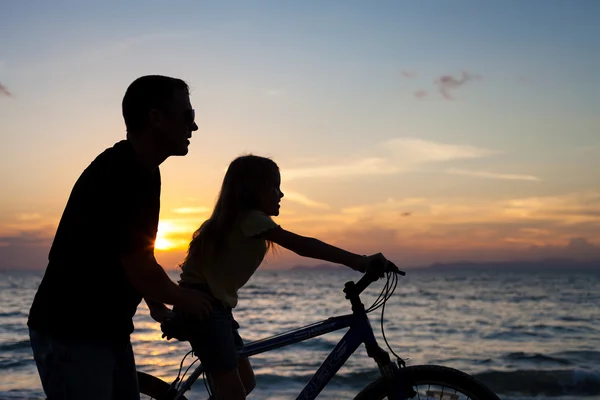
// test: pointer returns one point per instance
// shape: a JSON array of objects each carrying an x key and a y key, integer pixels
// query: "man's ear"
[{"x": 155, "y": 117}]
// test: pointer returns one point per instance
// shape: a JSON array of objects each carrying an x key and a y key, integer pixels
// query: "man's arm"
[
  {"x": 151, "y": 281},
  {"x": 158, "y": 311},
  {"x": 152, "y": 304}
]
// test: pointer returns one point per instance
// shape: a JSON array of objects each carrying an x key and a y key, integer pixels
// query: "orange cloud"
[
  {"x": 459, "y": 229},
  {"x": 411, "y": 230},
  {"x": 493, "y": 175}
]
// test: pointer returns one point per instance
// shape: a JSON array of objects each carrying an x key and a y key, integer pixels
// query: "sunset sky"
[{"x": 428, "y": 130}]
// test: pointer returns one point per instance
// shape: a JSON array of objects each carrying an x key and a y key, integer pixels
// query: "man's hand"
[
  {"x": 161, "y": 314},
  {"x": 158, "y": 311}
]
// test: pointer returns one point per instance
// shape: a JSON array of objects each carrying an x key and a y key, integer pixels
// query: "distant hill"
[
  {"x": 517, "y": 265},
  {"x": 319, "y": 267},
  {"x": 548, "y": 264}
]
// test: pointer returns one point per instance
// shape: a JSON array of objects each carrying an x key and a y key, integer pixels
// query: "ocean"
[{"x": 529, "y": 334}]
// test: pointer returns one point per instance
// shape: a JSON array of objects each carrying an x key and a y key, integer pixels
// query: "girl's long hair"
[{"x": 246, "y": 177}]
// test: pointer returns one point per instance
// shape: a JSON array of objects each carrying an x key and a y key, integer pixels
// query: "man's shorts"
[{"x": 84, "y": 369}]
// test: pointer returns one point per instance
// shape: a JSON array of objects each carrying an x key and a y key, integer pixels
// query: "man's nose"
[{"x": 194, "y": 127}]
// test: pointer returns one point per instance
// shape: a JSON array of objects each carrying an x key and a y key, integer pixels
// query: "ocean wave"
[
  {"x": 11, "y": 364},
  {"x": 536, "y": 358},
  {"x": 515, "y": 335},
  {"x": 12, "y": 314},
  {"x": 571, "y": 318},
  {"x": 543, "y": 383},
  {"x": 260, "y": 292},
  {"x": 11, "y": 346},
  {"x": 521, "y": 383},
  {"x": 580, "y": 355},
  {"x": 563, "y": 329},
  {"x": 358, "y": 379},
  {"x": 22, "y": 395}
]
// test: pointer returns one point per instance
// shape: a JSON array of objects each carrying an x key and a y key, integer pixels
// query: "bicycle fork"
[{"x": 397, "y": 387}]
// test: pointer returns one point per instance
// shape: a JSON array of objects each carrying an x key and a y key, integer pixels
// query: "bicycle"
[{"x": 397, "y": 381}]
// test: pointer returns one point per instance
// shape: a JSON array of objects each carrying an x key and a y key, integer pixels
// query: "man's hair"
[{"x": 148, "y": 92}]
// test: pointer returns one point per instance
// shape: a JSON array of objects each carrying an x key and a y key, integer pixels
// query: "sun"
[
  {"x": 173, "y": 234},
  {"x": 162, "y": 243}
]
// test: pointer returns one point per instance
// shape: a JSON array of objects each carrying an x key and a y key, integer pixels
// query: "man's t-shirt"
[
  {"x": 113, "y": 210},
  {"x": 245, "y": 252}
]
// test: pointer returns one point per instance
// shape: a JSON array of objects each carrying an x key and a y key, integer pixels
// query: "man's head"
[{"x": 157, "y": 108}]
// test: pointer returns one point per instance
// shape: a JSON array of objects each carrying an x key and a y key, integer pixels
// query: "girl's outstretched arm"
[{"x": 314, "y": 248}]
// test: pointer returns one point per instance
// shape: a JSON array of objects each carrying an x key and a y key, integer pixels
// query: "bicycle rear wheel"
[
  {"x": 433, "y": 382},
  {"x": 153, "y": 388}
]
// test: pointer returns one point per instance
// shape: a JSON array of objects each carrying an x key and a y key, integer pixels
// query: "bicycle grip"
[{"x": 358, "y": 287}]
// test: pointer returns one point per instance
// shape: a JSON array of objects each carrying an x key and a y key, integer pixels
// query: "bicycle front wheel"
[
  {"x": 433, "y": 382},
  {"x": 152, "y": 387}
]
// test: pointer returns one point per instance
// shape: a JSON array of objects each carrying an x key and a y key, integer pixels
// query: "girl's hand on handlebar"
[{"x": 377, "y": 264}]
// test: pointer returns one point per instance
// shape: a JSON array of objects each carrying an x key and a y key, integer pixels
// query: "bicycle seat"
[{"x": 175, "y": 327}]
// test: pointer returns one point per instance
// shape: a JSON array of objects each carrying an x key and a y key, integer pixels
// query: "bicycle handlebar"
[{"x": 373, "y": 273}]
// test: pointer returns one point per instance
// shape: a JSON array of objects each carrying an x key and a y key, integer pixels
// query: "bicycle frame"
[{"x": 360, "y": 332}]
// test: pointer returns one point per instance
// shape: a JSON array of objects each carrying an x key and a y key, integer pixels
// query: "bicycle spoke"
[{"x": 441, "y": 393}]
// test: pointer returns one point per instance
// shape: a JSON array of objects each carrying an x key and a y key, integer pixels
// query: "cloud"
[
  {"x": 26, "y": 243},
  {"x": 191, "y": 210},
  {"x": 29, "y": 217},
  {"x": 366, "y": 166},
  {"x": 567, "y": 209},
  {"x": 464, "y": 229},
  {"x": 4, "y": 91},
  {"x": 390, "y": 205},
  {"x": 421, "y": 94},
  {"x": 409, "y": 74},
  {"x": 305, "y": 201},
  {"x": 413, "y": 150},
  {"x": 32, "y": 237},
  {"x": 492, "y": 175},
  {"x": 412, "y": 230},
  {"x": 577, "y": 248},
  {"x": 274, "y": 92},
  {"x": 401, "y": 154},
  {"x": 580, "y": 213},
  {"x": 468, "y": 222},
  {"x": 448, "y": 83},
  {"x": 29, "y": 229}
]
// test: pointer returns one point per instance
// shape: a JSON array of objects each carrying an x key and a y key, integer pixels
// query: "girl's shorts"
[{"x": 214, "y": 339}]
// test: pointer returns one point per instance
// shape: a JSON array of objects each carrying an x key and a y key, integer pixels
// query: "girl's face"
[{"x": 271, "y": 196}]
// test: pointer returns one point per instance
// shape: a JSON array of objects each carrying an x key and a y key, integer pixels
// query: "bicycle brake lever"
[{"x": 393, "y": 268}]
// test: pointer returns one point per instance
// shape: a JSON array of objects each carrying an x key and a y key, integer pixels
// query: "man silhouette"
[{"x": 101, "y": 263}]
